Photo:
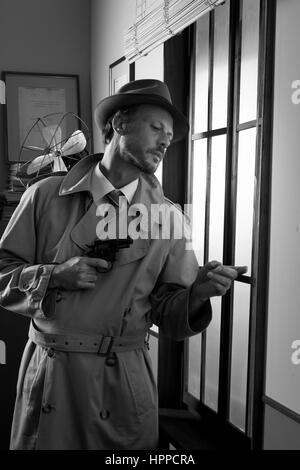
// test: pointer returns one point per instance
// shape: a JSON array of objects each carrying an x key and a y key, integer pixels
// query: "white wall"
[
  {"x": 283, "y": 377},
  {"x": 110, "y": 19},
  {"x": 46, "y": 36}
]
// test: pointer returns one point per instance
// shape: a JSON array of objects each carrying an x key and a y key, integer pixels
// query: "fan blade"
[
  {"x": 75, "y": 144},
  {"x": 52, "y": 135},
  {"x": 32, "y": 147},
  {"x": 59, "y": 165},
  {"x": 39, "y": 162}
]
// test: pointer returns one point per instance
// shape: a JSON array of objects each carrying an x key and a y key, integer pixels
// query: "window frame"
[{"x": 174, "y": 358}]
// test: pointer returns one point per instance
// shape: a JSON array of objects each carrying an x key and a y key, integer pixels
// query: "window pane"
[
  {"x": 212, "y": 356},
  {"x": 199, "y": 197},
  {"x": 220, "y": 82},
  {"x": 245, "y": 198},
  {"x": 201, "y": 76},
  {"x": 194, "y": 365},
  {"x": 216, "y": 231},
  {"x": 152, "y": 66},
  {"x": 217, "y": 198},
  {"x": 159, "y": 173},
  {"x": 240, "y": 339},
  {"x": 249, "y": 60}
]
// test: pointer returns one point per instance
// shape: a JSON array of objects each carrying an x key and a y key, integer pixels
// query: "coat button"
[
  {"x": 47, "y": 408},
  {"x": 104, "y": 414},
  {"x": 110, "y": 361},
  {"x": 51, "y": 352}
]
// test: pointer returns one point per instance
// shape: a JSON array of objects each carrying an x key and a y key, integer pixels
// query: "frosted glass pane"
[
  {"x": 201, "y": 75},
  {"x": 194, "y": 370},
  {"x": 151, "y": 65},
  {"x": 220, "y": 82},
  {"x": 159, "y": 173},
  {"x": 199, "y": 198},
  {"x": 245, "y": 198},
  {"x": 212, "y": 356},
  {"x": 153, "y": 352},
  {"x": 217, "y": 198},
  {"x": 240, "y": 339},
  {"x": 249, "y": 61}
]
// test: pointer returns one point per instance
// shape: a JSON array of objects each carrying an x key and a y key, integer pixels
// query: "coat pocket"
[
  {"x": 141, "y": 383},
  {"x": 30, "y": 402},
  {"x": 35, "y": 378}
]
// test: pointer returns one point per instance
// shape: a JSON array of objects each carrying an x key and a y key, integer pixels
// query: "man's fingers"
[
  {"x": 231, "y": 271},
  {"x": 86, "y": 285},
  {"x": 241, "y": 269},
  {"x": 225, "y": 271},
  {"x": 101, "y": 265},
  {"x": 223, "y": 280},
  {"x": 212, "y": 265}
]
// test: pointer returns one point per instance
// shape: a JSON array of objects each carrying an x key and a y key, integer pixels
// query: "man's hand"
[
  {"x": 214, "y": 279},
  {"x": 78, "y": 273}
]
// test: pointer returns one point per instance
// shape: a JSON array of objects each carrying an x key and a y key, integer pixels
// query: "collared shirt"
[{"x": 100, "y": 186}]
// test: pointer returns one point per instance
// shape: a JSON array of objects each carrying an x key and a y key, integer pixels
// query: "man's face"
[{"x": 149, "y": 133}]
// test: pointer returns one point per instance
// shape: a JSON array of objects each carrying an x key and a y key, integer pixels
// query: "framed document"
[
  {"x": 30, "y": 97},
  {"x": 120, "y": 72}
]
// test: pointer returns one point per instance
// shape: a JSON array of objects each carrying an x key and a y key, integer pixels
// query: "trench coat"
[{"x": 84, "y": 400}]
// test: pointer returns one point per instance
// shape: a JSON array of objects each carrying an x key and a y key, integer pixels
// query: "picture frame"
[
  {"x": 30, "y": 96},
  {"x": 120, "y": 72}
]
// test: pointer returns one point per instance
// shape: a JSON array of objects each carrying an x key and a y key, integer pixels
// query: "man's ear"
[{"x": 119, "y": 124}]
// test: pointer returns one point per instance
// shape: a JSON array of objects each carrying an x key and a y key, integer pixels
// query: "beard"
[{"x": 143, "y": 166}]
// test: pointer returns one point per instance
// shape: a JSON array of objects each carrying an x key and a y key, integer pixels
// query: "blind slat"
[{"x": 162, "y": 20}]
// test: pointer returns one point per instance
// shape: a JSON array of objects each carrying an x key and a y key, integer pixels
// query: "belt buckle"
[{"x": 107, "y": 343}]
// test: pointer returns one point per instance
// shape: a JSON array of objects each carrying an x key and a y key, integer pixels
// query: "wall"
[
  {"x": 110, "y": 19},
  {"x": 37, "y": 36},
  {"x": 282, "y": 375},
  {"x": 46, "y": 37}
]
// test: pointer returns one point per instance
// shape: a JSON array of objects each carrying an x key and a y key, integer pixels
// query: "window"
[
  {"x": 151, "y": 66},
  {"x": 228, "y": 184}
]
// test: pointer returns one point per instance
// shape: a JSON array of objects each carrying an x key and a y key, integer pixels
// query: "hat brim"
[{"x": 110, "y": 105}]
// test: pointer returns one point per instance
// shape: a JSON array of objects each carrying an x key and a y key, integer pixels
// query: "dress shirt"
[{"x": 100, "y": 186}]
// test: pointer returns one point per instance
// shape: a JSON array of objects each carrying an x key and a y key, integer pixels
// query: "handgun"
[{"x": 107, "y": 249}]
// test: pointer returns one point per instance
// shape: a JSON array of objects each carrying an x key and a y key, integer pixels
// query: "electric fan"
[{"x": 52, "y": 145}]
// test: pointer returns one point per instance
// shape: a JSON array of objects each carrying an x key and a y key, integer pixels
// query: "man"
[{"x": 85, "y": 380}]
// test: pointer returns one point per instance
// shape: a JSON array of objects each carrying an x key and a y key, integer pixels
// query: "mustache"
[{"x": 159, "y": 153}]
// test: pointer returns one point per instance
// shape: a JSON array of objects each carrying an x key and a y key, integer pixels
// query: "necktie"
[{"x": 118, "y": 199}]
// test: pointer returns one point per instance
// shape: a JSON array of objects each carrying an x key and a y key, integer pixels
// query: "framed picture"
[
  {"x": 30, "y": 97},
  {"x": 120, "y": 72}
]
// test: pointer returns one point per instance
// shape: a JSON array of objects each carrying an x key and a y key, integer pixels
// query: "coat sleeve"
[
  {"x": 170, "y": 299},
  {"x": 23, "y": 281}
]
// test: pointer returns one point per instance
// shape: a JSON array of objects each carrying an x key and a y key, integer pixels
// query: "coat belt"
[{"x": 99, "y": 344}]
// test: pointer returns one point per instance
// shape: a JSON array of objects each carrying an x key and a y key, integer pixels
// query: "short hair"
[{"x": 108, "y": 130}]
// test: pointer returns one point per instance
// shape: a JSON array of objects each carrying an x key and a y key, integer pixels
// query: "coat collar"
[{"x": 78, "y": 179}]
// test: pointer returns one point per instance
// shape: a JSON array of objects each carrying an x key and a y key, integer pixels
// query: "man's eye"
[{"x": 156, "y": 128}]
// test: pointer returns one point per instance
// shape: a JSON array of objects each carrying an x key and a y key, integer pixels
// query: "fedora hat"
[{"x": 139, "y": 92}]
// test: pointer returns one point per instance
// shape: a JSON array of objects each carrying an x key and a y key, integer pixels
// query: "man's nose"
[{"x": 164, "y": 141}]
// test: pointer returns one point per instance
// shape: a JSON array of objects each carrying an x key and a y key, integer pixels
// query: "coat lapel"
[
  {"x": 88, "y": 229},
  {"x": 84, "y": 232}
]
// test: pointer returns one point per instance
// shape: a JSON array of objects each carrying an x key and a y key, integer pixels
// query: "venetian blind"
[{"x": 158, "y": 20}]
